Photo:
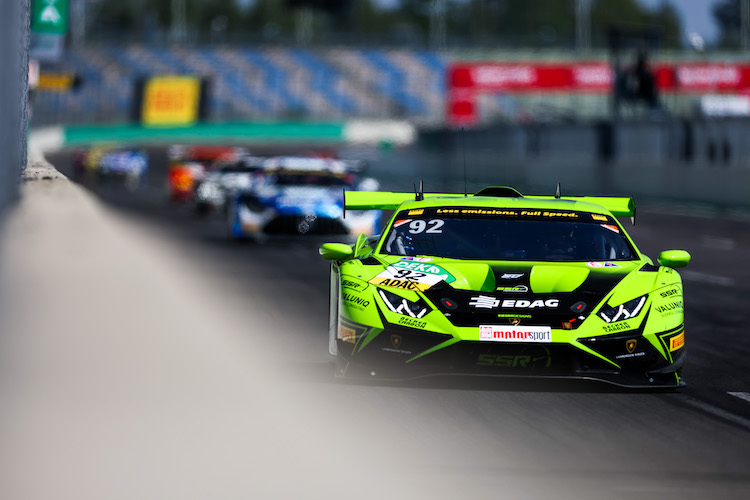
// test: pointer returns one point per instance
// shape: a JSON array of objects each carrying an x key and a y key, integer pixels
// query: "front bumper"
[{"x": 400, "y": 353}]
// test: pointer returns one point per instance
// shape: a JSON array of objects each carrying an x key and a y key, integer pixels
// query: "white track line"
[{"x": 741, "y": 395}]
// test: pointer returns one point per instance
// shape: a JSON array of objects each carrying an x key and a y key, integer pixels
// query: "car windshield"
[{"x": 499, "y": 234}]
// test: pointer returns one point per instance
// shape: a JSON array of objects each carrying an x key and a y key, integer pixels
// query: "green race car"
[{"x": 498, "y": 283}]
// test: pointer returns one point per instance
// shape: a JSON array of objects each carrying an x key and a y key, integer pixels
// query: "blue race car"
[{"x": 301, "y": 195}]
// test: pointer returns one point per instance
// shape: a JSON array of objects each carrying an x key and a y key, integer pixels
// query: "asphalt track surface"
[{"x": 586, "y": 437}]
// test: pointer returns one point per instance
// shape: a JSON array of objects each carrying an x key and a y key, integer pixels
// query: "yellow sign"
[
  {"x": 676, "y": 342},
  {"x": 60, "y": 82},
  {"x": 171, "y": 101}
]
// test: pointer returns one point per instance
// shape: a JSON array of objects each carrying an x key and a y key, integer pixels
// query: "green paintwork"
[
  {"x": 674, "y": 258},
  {"x": 378, "y": 200},
  {"x": 557, "y": 278},
  {"x": 335, "y": 251}
]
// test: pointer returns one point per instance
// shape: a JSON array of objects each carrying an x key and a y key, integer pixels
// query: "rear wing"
[{"x": 381, "y": 200}]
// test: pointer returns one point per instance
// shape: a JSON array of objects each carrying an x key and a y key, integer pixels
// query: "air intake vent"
[{"x": 500, "y": 192}]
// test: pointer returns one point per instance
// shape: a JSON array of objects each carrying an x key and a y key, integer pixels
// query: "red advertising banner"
[{"x": 467, "y": 80}]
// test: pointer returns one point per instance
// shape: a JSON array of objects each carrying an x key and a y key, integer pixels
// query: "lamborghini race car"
[
  {"x": 498, "y": 283},
  {"x": 300, "y": 195}
]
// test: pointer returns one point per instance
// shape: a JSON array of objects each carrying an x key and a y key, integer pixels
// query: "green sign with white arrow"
[{"x": 49, "y": 16}]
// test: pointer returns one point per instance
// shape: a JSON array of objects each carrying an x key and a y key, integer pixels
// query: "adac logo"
[
  {"x": 630, "y": 345},
  {"x": 396, "y": 341}
]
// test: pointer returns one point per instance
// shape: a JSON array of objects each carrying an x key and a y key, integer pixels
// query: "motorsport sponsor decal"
[
  {"x": 506, "y": 333},
  {"x": 511, "y": 276},
  {"x": 517, "y": 288},
  {"x": 353, "y": 284},
  {"x": 401, "y": 222},
  {"x": 412, "y": 322},
  {"x": 598, "y": 217},
  {"x": 356, "y": 302},
  {"x": 494, "y": 212},
  {"x": 669, "y": 293},
  {"x": 601, "y": 264},
  {"x": 611, "y": 227},
  {"x": 418, "y": 211},
  {"x": 670, "y": 308},
  {"x": 423, "y": 267},
  {"x": 676, "y": 342},
  {"x": 617, "y": 327},
  {"x": 418, "y": 259},
  {"x": 489, "y": 302},
  {"x": 514, "y": 315}
]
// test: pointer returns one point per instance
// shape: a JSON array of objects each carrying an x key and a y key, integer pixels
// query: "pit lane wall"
[
  {"x": 14, "y": 43},
  {"x": 689, "y": 160},
  {"x": 50, "y": 139}
]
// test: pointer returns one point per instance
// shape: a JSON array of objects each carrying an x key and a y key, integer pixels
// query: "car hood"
[{"x": 539, "y": 289}]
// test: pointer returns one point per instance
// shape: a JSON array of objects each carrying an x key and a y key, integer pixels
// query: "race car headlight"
[
  {"x": 629, "y": 309},
  {"x": 400, "y": 305}
]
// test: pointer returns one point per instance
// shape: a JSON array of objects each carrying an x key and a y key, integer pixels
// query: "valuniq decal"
[
  {"x": 357, "y": 302},
  {"x": 670, "y": 308}
]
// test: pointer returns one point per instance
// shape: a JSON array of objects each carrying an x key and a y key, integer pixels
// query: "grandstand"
[{"x": 256, "y": 83}]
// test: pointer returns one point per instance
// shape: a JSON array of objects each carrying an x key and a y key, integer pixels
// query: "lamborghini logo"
[
  {"x": 396, "y": 341},
  {"x": 630, "y": 345},
  {"x": 515, "y": 321}
]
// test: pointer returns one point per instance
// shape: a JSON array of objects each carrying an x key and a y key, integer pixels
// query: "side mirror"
[
  {"x": 335, "y": 251},
  {"x": 674, "y": 258}
]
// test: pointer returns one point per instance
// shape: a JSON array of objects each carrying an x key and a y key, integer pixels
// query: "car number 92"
[{"x": 434, "y": 226}]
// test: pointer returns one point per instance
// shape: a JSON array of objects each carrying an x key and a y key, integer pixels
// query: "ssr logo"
[
  {"x": 522, "y": 361},
  {"x": 669, "y": 293}
]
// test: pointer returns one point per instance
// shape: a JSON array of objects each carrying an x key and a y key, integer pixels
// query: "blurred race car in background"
[
  {"x": 189, "y": 165},
  {"x": 225, "y": 178},
  {"x": 301, "y": 195},
  {"x": 111, "y": 162},
  {"x": 498, "y": 283}
]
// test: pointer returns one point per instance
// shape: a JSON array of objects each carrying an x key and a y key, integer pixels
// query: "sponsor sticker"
[
  {"x": 616, "y": 327},
  {"x": 509, "y": 333},
  {"x": 401, "y": 222},
  {"x": 347, "y": 334},
  {"x": 412, "y": 275},
  {"x": 490, "y": 302},
  {"x": 670, "y": 308},
  {"x": 511, "y": 276},
  {"x": 355, "y": 301},
  {"x": 418, "y": 211},
  {"x": 601, "y": 264},
  {"x": 669, "y": 293},
  {"x": 517, "y": 288},
  {"x": 612, "y": 228},
  {"x": 677, "y": 342},
  {"x": 354, "y": 285},
  {"x": 418, "y": 259},
  {"x": 412, "y": 322},
  {"x": 599, "y": 217}
]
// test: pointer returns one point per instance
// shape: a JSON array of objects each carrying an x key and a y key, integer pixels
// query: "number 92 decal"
[{"x": 420, "y": 226}]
